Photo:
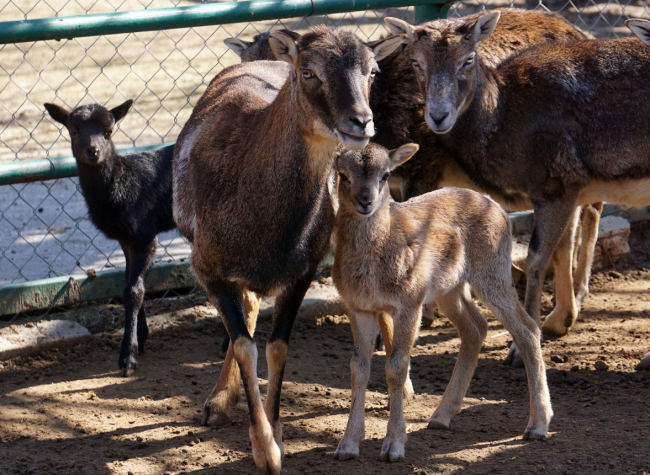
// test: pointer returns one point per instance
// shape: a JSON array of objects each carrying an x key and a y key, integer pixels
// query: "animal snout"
[
  {"x": 92, "y": 151},
  {"x": 365, "y": 203},
  {"x": 361, "y": 120},
  {"x": 438, "y": 118}
]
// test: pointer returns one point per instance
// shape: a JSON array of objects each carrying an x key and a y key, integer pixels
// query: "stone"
[{"x": 32, "y": 338}]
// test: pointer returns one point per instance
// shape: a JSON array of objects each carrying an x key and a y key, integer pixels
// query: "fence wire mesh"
[{"x": 44, "y": 227}]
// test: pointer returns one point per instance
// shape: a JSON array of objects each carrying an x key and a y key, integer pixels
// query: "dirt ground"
[{"x": 68, "y": 412}]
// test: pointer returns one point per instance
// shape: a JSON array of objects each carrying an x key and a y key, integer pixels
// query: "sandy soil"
[{"x": 68, "y": 411}]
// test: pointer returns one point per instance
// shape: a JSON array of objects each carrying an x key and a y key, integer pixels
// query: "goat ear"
[
  {"x": 397, "y": 26},
  {"x": 284, "y": 47},
  {"x": 120, "y": 111},
  {"x": 237, "y": 45},
  {"x": 485, "y": 25},
  {"x": 641, "y": 28},
  {"x": 402, "y": 154},
  {"x": 58, "y": 113},
  {"x": 385, "y": 47}
]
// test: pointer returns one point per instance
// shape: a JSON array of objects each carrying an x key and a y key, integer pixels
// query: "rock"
[
  {"x": 559, "y": 358},
  {"x": 33, "y": 338},
  {"x": 612, "y": 244},
  {"x": 601, "y": 365}
]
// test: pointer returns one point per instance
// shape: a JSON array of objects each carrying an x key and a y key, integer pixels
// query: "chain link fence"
[{"x": 44, "y": 227}]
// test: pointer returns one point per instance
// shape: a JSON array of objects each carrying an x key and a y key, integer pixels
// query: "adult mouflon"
[
  {"x": 558, "y": 125},
  {"x": 129, "y": 199},
  {"x": 251, "y": 170}
]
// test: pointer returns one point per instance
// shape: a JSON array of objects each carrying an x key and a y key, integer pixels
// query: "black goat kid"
[{"x": 129, "y": 199}]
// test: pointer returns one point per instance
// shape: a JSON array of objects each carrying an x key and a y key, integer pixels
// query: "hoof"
[
  {"x": 346, "y": 454},
  {"x": 214, "y": 418},
  {"x": 435, "y": 424},
  {"x": 392, "y": 451},
  {"x": 128, "y": 362},
  {"x": 126, "y": 372},
  {"x": 514, "y": 358},
  {"x": 554, "y": 331},
  {"x": 534, "y": 434},
  {"x": 267, "y": 456},
  {"x": 644, "y": 365}
]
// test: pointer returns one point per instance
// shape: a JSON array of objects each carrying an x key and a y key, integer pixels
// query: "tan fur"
[
  {"x": 276, "y": 356},
  {"x": 225, "y": 394},
  {"x": 387, "y": 333},
  {"x": 399, "y": 256}
]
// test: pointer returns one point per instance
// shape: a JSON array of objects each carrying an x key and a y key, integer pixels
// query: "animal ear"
[
  {"x": 292, "y": 34},
  {"x": 641, "y": 28},
  {"x": 120, "y": 111},
  {"x": 58, "y": 113},
  {"x": 397, "y": 26},
  {"x": 402, "y": 154},
  {"x": 385, "y": 47},
  {"x": 284, "y": 47},
  {"x": 237, "y": 45},
  {"x": 485, "y": 25}
]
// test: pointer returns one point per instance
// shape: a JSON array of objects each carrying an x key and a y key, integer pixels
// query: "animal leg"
[
  {"x": 225, "y": 395},
  {"x": 141, "y": 258},
  {"x": 406, "y": 325},
  {"x": 589, "y": 231},
  {"x": 551, "y": 221},
  {"x": 386, "y": 327},
  {"x": 472, "y": 328},
  {"x": 501, "y": 298},
  {"x": 284, "y": 315},
  {"x": 229, "y": 300},
  {"x": 364, "y": 326},
  {"x": 566, "y": 309}
]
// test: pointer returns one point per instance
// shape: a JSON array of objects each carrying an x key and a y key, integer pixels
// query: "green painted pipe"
[
  {"x": 58, "y": 28},
  {"x": 68, "y": 290},
  {"x": 39, "y": 169}
]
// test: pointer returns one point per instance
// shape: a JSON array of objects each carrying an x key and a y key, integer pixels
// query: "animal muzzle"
[
  {"x": 355, "y": 129},
  {"x": 440, "y": 117}
]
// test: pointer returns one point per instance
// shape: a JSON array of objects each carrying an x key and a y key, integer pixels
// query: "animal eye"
[
  {"x": 373, "y": 73},
  {"x": 307, "y": 74},
  {"x": 343, "y": 177},
  {"x": 107, "y": 133},
  {"x": 73, "y": 133},
  {"x": 385, "y": 177},
  {"x": 416, "y": 65},
  {"x": 469, "y": 61}
]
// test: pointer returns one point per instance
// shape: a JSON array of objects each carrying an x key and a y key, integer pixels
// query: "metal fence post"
[{"x": 432, "y": 12}]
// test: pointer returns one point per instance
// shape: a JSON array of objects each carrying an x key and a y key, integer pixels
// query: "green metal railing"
[
  {"x": 45, "y": 293},
  {"x": 199, "y": 15}
]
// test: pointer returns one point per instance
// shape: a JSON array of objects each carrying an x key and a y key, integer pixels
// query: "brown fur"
[
  {"x": 399, "y": 106},
  {"x": 394, "y": 257},
  {"x": 251, "y": 193},
  {"x": 583, "y": 143}
]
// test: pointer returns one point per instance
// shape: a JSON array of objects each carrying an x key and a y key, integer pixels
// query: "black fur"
[{"x": 129, "y": 199}]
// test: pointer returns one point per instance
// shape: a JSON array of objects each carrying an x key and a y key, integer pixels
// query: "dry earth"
[{"x": 68, "y": 412}]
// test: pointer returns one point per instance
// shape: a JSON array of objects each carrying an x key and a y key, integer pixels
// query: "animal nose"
[
  {"x": 93, "y": 151},
  {"x": 361, "y": 120},
  {"x": 365, "y": 202},
  {"x": 440, "y": 119}
]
